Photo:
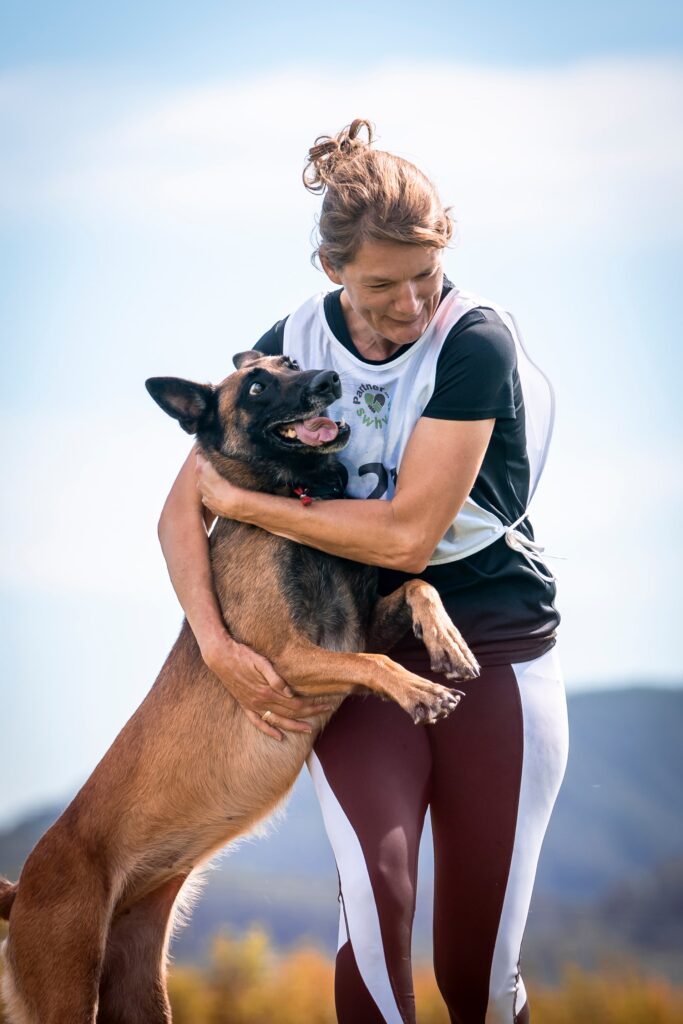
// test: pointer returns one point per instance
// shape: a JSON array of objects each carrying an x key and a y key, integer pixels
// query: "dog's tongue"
[{"x": 318, "y": 430}]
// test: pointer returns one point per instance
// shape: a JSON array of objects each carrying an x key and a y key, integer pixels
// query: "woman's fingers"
[
  {"x": 289, "y": 724},
  {"x": 274, "y": 723},
  {"x": 264, "y": 668},
  {"x": 275, "y": 681},
  {"x": 302, "y": 707},
  {"x": 290, "y": 713},
  {"x": 257, "y": 686},
  {"x": 296, "y": 709},
  {"x": 262, "y": 726}
]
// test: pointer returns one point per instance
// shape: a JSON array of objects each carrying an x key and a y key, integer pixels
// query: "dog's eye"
[{"x": 256, "y": 388}]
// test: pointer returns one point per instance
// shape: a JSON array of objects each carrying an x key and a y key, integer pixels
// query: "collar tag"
[{"x": 303, "y": 495}]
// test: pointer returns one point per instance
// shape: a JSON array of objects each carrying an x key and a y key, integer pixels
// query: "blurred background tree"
[{"x": 247, "y": 981}]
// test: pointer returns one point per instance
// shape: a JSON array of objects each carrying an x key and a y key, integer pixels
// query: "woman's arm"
[
  {"x": 250, "y": 678},
  {"x": 440, "y": 465}
]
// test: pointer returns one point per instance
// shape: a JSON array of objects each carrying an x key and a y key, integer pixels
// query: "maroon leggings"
[{"x": 489, "y": 774}]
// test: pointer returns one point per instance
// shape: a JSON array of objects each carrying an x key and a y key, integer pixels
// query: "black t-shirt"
[{"x": 503, "y": 608}]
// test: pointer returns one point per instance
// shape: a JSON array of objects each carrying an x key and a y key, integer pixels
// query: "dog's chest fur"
[
  {"x": 330, "y": 598},
  {"x": 269, "y": 587}
]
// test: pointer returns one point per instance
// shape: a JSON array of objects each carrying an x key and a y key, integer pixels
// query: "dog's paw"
[
  {"x": 449, "y": 655},
  {"x": 431, "y": 702}
]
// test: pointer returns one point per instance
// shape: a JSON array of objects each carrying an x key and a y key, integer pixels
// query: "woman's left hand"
[{"x": 218, "y": 494}]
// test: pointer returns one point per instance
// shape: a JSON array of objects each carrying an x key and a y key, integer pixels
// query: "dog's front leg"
[
  {"x": 417, "y": 605},
  {"x": 315, "y": 671}
]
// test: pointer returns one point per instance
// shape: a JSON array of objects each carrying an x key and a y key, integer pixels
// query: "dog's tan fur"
[{"x": 91, "y": 915}]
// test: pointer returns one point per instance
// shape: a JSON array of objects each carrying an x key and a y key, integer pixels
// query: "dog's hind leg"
[
  {"x": 53, "y": 958},
  {"x": 133, "y": 984}
]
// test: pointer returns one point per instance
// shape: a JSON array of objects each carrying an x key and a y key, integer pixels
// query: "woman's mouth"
[{"x": 407, "y": 323}]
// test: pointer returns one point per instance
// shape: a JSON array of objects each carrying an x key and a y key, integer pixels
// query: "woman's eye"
[{"x": 256, "y": 388}]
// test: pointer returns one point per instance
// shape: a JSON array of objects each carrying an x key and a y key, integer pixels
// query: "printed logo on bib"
[{"x": 372, "y": 403}]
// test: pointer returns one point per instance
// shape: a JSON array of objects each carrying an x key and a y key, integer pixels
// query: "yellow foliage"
[
  {"x": 191, "y": 996},
  {"x": 247, "y": 982},
  {"x": 617, "y": 996},
  {"x": 429, "y": 1005}
]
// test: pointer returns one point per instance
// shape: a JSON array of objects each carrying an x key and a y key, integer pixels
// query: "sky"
[{"x": 152, "y": 221}]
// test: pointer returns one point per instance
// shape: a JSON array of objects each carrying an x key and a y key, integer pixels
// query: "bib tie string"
[{"x": 529, "y": 549}]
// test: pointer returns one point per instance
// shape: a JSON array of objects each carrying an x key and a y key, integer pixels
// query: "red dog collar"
[{"x": 303, "y": 495}]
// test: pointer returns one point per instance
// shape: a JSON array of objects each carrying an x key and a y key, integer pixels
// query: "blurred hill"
[
  {"x": 640, "y": 920},
  {"x": 611, "y": 874}
]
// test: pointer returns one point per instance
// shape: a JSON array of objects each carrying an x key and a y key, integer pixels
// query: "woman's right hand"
[{"x": 254, "y": 683}]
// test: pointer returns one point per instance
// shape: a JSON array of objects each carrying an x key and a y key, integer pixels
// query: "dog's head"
[{"x": 267, "y": 411}]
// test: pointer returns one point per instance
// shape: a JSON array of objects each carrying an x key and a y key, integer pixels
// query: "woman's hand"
[
  {"x": 254, "y": 683},
  {"x": 217, "y": 494}
]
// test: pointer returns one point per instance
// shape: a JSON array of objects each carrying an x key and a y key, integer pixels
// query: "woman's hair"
[{"x": 370, "y": 195}]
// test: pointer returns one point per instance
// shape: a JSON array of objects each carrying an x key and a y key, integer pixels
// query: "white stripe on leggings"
[
  {"x": 544, "y": 711},
  {"x": 359, "y": 900}
]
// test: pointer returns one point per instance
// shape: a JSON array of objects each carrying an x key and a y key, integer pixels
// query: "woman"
[{"x": 446, "y": 447}]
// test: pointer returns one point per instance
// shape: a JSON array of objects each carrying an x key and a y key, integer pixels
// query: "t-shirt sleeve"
[
  {"x": 271, "y": 344},
  {"x": 475, "y": 371}
]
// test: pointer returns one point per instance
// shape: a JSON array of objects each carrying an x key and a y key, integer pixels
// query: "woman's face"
[{"x": 395, "y": 288}]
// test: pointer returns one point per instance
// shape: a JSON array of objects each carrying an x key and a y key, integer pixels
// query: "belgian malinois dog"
[{"x": 91, "y": 914}]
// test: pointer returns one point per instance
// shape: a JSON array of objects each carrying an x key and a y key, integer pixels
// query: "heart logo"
[{"x": 375, "y": 403}]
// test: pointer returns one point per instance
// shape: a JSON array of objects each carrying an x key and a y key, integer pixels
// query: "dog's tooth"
[{"x": 286, "y": 430}]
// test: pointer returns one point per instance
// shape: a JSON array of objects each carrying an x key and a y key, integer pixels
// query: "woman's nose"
[{"x": 406, "y": 301}]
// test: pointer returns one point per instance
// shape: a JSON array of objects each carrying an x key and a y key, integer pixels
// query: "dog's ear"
[
  {"x": 193, "y": 405},
  {"x": 246, "y": 358}
]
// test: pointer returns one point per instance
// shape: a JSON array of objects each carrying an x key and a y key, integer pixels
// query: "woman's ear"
[{"x": 329, "y": 270}]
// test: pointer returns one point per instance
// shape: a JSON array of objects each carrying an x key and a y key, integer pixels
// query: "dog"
[{"x": 91, "y": 915}]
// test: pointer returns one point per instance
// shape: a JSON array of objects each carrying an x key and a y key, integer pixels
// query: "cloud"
[
  {"x": 557, "y": 157},
  {"x": 586, "y": 146}
]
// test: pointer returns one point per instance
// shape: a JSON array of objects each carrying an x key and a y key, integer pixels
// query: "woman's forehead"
[{"x": 392, "y": 261}]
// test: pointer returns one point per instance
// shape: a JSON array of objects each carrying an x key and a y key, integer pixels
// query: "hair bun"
[{"x": 329, "y": 151}]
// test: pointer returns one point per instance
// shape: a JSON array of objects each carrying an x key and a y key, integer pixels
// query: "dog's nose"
[{"x": 326, "y": 383}]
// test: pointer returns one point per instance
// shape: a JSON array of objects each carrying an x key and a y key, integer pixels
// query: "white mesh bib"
[{"x": 383, "y": 402}]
